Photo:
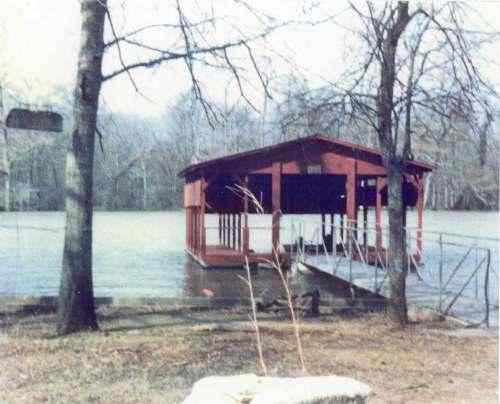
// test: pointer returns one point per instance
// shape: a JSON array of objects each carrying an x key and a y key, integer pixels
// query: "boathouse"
[{"x": 314, "y": 175}]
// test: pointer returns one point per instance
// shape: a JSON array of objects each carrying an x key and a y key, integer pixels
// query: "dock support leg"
[
  {"x": 323, "y": 230},
  {"x": 246, "y": 232},
  {"x": 333, "y": 233},
  {"x": 228, "y": 230},
  {"x": 220, "y": 228},
  {"x": 234, "y": 230},
  {"x": 351, "y": 210},
  {"x": 203, "y": 246},
  {"x": 276, "y": 205},
  {"x": 420, "y": 212},
  {"x": 378, "y": 216},
  {"x": 342, "y": 227},
  {"x": 365, "y": 235},
  {"x": 239, "y": 231},
  {"x": 223, "y": 229}
]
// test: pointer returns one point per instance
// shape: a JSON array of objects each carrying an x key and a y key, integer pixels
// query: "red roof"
[{"x": 273, "y": 148}]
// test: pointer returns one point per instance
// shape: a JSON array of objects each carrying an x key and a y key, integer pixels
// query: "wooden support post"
[
  {"x": 365, "y": 227},
  {"x": 333, "y": 233},
  {"x": 188, "y": 224},
  {"x": 378, "y": 215},
  {"x": 196, "y": 229},
  {"x": 355, "y": 224},
  {"x": 350, "y": 206},
  {"x": 276, "y": 204},
  {"x": 203, "y": 246},
  {"x": 193, "y": 228},
  {"x": 229, "y": 230},
  {"x": 223, "y": 229},
  {"x": 246, "y": 232},
  {"x": 323, "y": 226},
  {"x": 239, "y": 231},
  {"x": 342, "y": 227},
  {"x": 220, "y": 228},
  {"x": 234, "y": 230},
  {"x": 420, "y": 213}
]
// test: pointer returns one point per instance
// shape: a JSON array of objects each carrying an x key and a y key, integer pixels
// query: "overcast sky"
[{"x": 39, "y": 44}]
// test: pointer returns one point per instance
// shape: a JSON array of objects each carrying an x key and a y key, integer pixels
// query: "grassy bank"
[{"x": 153, "y": 354}]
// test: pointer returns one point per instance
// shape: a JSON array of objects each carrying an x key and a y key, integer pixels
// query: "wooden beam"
[
  {"x": 378, "y": 214},
  {"x": 223, "y": 228},
  {"x": 234, "y": 230},
  {"x": 351, "y": 196},
  {"x": 276, "y": 204},
  {"x": 342, "y": 227},
  {"x": 195, "y": 230},
  {"x": 188, "y": 227},
  {"x": 420, "y": 214},
  {"x": 323, "y": 226},
  {"x": 220, "y": 228},
  {"x": 203, "y": 245},
  {"x": 350, "y": 188},
  {"x": 365, "y": 227},
  {"x": 246, "y": 232},
  {"x": 333, "y": 233},
  {"x": 228, "y": 230},
  {"x": 239, "y": 231}
]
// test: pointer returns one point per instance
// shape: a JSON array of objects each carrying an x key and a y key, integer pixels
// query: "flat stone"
[
  {"x": 311, "y": 390},
  {"x": 252, "y": 389},
  {"x": 224, "y": 390}
]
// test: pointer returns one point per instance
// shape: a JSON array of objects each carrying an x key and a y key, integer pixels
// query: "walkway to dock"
[{"x": 419, "y": 291}]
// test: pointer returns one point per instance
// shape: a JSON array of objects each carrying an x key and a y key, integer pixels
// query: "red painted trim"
[{"x": 314, "y": 139}]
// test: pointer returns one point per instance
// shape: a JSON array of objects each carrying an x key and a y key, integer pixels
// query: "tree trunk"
[
  {"x": 5, "y": 164},
  {"x": 5, "y": 172},
  {"x": 76, "y": 296},
  {"x": 144, "y": 185},
  {"x": 394, "y": 166},
  {"x": 397, "y": 264}
]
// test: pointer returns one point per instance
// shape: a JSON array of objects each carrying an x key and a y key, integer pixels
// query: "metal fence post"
[
  {"x": 476, "y": 286},
  {"x": 486, "y": 287},
  {"x": 440, "y": 271}
]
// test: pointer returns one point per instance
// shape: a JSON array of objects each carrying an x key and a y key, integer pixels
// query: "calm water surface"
[{"x": 142, "y": 253}]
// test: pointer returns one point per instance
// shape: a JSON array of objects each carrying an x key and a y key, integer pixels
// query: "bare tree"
[
  {"x": 412, "y": 53},
  {"x": 76, "y": 296},
  {"x": 195, "y": 47},
  {"x": 413, "y": 63}
]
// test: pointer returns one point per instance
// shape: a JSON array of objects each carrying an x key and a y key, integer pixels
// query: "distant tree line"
[{"x": 138, "y": 158}]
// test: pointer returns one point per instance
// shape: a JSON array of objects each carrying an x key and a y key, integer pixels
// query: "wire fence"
[{"x": 450, "y": 273}]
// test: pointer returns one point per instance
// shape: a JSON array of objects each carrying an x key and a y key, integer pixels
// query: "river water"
[{"x": 141, "y": 254}]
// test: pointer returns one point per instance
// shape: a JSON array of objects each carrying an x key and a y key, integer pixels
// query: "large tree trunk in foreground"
[
  {"x": 394, "y": 167},
  {"x": 397, "y": 264},
  {"x": 76, "y": 296}
]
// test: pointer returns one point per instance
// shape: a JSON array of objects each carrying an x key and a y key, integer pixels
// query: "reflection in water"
[{"x": 226, "y": 282}]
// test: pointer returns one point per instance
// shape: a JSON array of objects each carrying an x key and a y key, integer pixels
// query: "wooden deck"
[{"x": 218, "y": 256}]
